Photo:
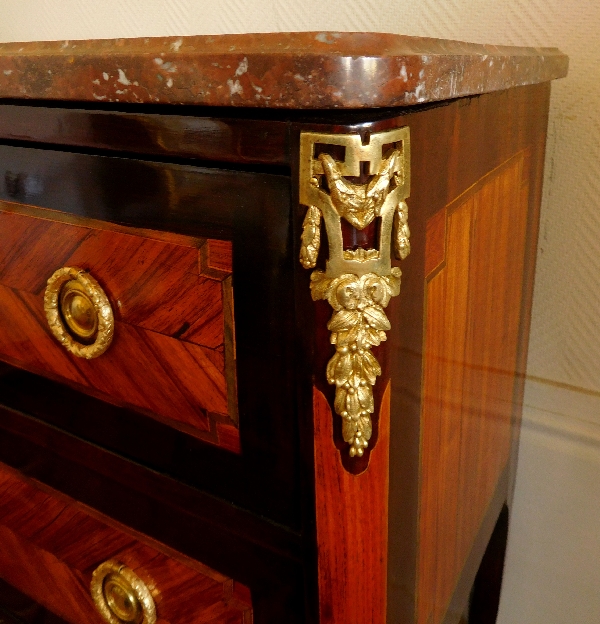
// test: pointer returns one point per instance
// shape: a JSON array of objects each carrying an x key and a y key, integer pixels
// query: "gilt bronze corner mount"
[{"x": 357, "y": 282}]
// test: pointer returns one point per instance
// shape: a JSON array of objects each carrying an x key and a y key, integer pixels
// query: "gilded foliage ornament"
[
  {"x": 358, "y": 323},
  {"x": 357, "y": 283}
]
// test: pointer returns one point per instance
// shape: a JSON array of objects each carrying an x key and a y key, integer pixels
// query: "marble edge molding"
[{"x": 308, "y": 70}]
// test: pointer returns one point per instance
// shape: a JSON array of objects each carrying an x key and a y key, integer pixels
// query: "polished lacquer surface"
[
  {"x": 473, "y": 303},
  {"x": 172, "y": 352},
  {"x": 207, "y": 448},
  {"x": 51, "y": 546}
]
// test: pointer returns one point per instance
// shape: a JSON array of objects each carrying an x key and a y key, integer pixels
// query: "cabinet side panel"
[
  {"x": 496, "y": 278},
  {"x": 446, "y": 323},
  {"x": 471, "y": 339}
]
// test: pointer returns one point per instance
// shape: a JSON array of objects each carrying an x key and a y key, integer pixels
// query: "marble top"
[{"x": 310, "y": 70}]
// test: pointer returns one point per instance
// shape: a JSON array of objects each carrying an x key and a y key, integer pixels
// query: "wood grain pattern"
[
  {"x": 51, "y": 545},
  {"x": 170, "y": 355},
  {"x": 472, "y": 329},
  {"x": 435, "y": 241},
  {"x": 17, "y": 608},
  {"x": 454, "y": 146},
  {"x": 245, "y": 141},
  {"x": 247, "y": 547},
  {"x": 352, "y": 524},
  {"x": 209, "y": 203}
]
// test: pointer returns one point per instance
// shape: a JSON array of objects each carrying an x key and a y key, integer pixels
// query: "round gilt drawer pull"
[
  {"x": 121, "y": 596},
  {"x": 78, "y": 312}
]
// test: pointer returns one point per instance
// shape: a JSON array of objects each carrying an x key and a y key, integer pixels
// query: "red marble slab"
[{"x": 279, "y": 70}]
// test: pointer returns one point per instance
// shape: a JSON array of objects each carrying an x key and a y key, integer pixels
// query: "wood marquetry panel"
[
  {"x": 51, "y": 545},
  {"x": 473, "y": 293},
  {"x": 172, "y": 355},
  {"x": 352, "y": 524}
]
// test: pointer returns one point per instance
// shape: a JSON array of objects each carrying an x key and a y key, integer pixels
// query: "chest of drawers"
[{"x": 240, "y": 382}]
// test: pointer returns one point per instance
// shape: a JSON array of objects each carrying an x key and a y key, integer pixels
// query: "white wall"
[{"x": 552, "y": 572}]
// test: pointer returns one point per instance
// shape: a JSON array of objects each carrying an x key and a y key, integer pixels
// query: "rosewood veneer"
[{"x": 264, "y": 312}]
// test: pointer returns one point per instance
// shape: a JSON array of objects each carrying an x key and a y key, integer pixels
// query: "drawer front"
[
  {"x": 172, "y": 352},
  {"x": 250, "y": 210},
  {"x": 51, "y": 547}
]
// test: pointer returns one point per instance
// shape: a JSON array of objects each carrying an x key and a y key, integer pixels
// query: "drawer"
[
  {"x": 171, "y": 245},
  {"x": 53, "y": 548},
  {"x": 172, "y": 350}
]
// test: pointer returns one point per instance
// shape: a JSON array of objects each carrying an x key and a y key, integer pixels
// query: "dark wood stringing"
[
  {"x": 247, "y": 548},
  {"x": 52, "y": 545},
  {"x": 172, "y": 351},
  {"x": 251, "y": 210},
  {"x": 472, "y": 326},
  {"x": 452, "y": 148},
  {"x": 460, "y": 142},
  {"x": 239, "y": 141}
]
